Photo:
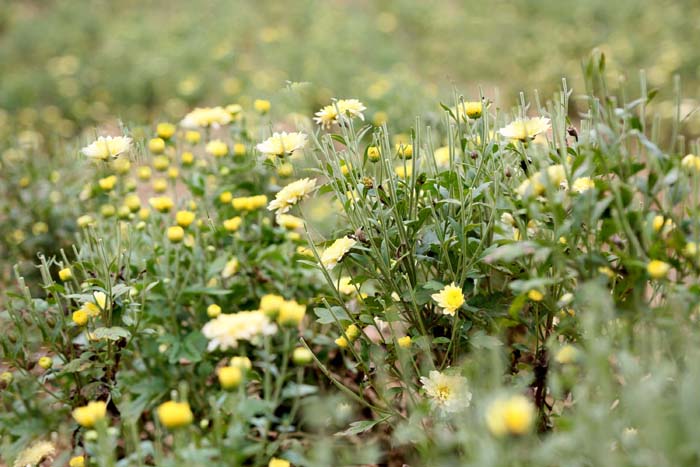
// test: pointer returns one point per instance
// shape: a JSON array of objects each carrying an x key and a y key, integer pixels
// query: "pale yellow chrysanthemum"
[
  {"x": 290, "y": 222},
  {"x": 472, "y": 109},
  {"x": 34, "y": 454},
  {"x": 524, "y": 129},
  {"x": 291, "y": 195},
  {"x": 226, "y": 330},
  {"x": 204, "y": 117},
  {"x": 513, "y": 415},
  {"x": 691, "y": 162},
  {"x": 535, "y": 185},
  {"x": 281, "y": 144},
  {"x": 337, "y": 251},
  {"x": 449, "y": 299},
  {"x": 343, "y": 108},
  {"x": 566, "y": 354},
  {"x": 88, "y": 415},
  {"x": 107, "y": 147},
  {"x": 345, "y": 286},
  {"x": 442, "y": 157},
  {"x": 230, "y": 268},
  {"x": 448, "y": 393},
  {"x": 583, "y": 184}
]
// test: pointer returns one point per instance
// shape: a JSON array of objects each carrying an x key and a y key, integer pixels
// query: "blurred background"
[{"x": 70, "y": 63}]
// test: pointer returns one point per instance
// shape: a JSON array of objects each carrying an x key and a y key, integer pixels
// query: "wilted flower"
[
  {"x": 448, "y": 393},
  {"x": 226, "y": 330},
  {"x": 107, "y": 147},
  {"x": 34, "y": 454},
  {"x": 337, "y": 251}
]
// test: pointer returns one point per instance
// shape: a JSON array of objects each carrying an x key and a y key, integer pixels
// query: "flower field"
[{"x": 228, "y": 253}]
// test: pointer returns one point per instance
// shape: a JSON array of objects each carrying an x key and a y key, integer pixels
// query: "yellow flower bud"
[
  {"x": 213, "y": 310},
  {"x": 156, "y": 145},
  {"x": 302, "y": 356},
  {"x": 80, "y": 317},
  {"x": 174, "y": 414},
  {"x": 230, "y": 377},
  {"x": 46, "y": 362},
  {"x": 262, "y": 106},
  {"x": 176, "y": 234},
  {"x": 87, "y": 416},
  {"x": 184, "y": 218},
  {"x": 65, "y": 274}
]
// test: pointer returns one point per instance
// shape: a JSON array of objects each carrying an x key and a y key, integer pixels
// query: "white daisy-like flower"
[
  {"x": 343, "y": 108},
  {"x": 205, "y": 117},
  {"x": 447, "y": 393},
  {"x": 525, "y": 129},
  {"x": 281, "y": 144},
  {"x": 291, "y": 195},
  {"x": 226, "y": 330},
  {"x": 107, "y": 147}
]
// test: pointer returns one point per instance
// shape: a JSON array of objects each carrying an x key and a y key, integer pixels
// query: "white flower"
[
  {"x": 448, "y": 393},
  {"x": 524, "y": 129},
  {"x": 280, "y": 144},
  {"x": 226, "y": 330},
  {"x": 291, "y": 195},
  {"x": 343, "y": 108},
  {"x": 107, "y": 147},
  {"x": 205, "y": 117}
]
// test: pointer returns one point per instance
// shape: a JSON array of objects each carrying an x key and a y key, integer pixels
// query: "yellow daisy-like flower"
[
  {"x": 205, "y": 117},
  {"x": 658, "y": 269},
  {"x": 290, "y": 222},
  {"x": 161, "y": 203},
  {"x": 184, "y": 218},
  {"x": 175, "y": 414},
  {"x": 233, "y": 223},
  {"x": 449, "y": 299},
  {"x": 345, "y": 286},
  {"x": 291, "y": 195},
  {"x": 525, "y": 129},
  {"x": 337, "y": 251},
  {"x": 448, "y": 393},
  {"x": 691, "y": 162},
  {"x": 34, "y": 454},
  {"x": 281, "y": 144},
  {"x": 290, "y": 313},
  {"x": 226, "y": 330},
  {"x": 513, "y": 415},
  {"x": 471, "y": 110},
  {"x": 583, "y": 184},
  {"x": 77, "y": 461},
  {"x": 87, "y": 416},
  {"x": 107, "y": 147},
  {"x": 217, "y": 148},
  {"x": 275, "y": 462}
]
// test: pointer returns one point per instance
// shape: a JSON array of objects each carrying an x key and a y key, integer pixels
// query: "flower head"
[
  {"x": 34, "y": 454},
  {"x": 337, "y": 251},
  {"x": 281, "y": 144},
  {"x": 341, "y": 110},
  {"x": 525, "y": 129},
  {"x": 107, "y": 147},
  {"x": 175, "y": 414},
  {"x": 226, "y": 330},
  {"x": 448, "y": 393},
  {"x": 658, "y": 269},
  {"x": 87, "y": 416},
  {"x": 472, "y": 109},
  {"x": 291, "y": 195},
  {"x": 205, "y": 117},
  {"x": 513, "y": 415},
  {"x": 583, "y": 184},
  {"x": 449, "y": 299}
]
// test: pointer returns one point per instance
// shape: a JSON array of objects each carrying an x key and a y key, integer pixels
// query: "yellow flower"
[
  {"x": 156, "y": 145},
  {"x": 513, "y": 415},
  {"x": 165, "y": 130},
  {"x": 45, "y": 362},
  {"x": 241, "y": 362},
  {"x": 144, "y": 173},
  {"x": 217, "y": 148},
  {"x": 173, "y": 172},
  {"x": 525, "y": 129},
  {"x": 107, "y": 183},
  {"x": 225, "y": 197},
  {"x": 204, "y": 117},
  {"x": 373, "y": 153},
  {"x": 404, "y": 150},
  {"x": 84, "y": 221},
  {"x": 261, "y": 105},
  {"x": 176, "y": 234},
  {"x": 87, "y": 416},
  {"x": 35, "y": 454},
  {"x": 160, "y": 185},
  {"x": 340, "y": 111},
  {"x": 230, "y": 268},
  {"x": 77, "y": 461},
  {"x": 232, "y": 224},
  {"x": 230, "y": 377},
  {"x": 342, "y": 342},
  {"x": 249, "y": 203},
  {"x": 227, "y": 329},
  {"x": 449, "y": 299},
  {"x": 285, "y": 170},
  {"x": 80, "y": 317},
  {"x": 184, "y": 218},
  {"x": 281, "y": 144},
  {"x": 174, "y": 414},
  {"x": 566, "y": 354},
  {"x": 352, "y": 332},
  {"x": 65, "y": 274},
  {"x": 193, "y": 137},
  {"x": 345, "y": 286},
  {"x": 239, "y": 149},
  {"x": 448, "y": 393},
  {"x": 290, "y": 222},
  {"x": 691, "y": 162},
  {"x": 144, "y": 213},
  {"x": 161, "y": 203},
  {"x": 107, "y": 146},
  {"x": 161, "y": 163},
  {"x": 403, "y": 172},
  {"x": 213, "y": 310},
  {"x": 291, "y": 195},
  {"x": 302, "y": 356},
  {"x": 337, "y": 251},
  {"x": 270, "y": 304},
  {"x": 690, "y": 249},
  {"x": 583, "y": 184},
  {"x": 404, "y": 342},
  {"x": 187, "y": 158},
  {"x": 132, "y": 202},
  {"x": 535, "y": 295},
  {"x": 658, "y": 269},
  {"x": 121, "y": 165},
  {"x": 275, "y": 462},
  {"x": 291, "y": 313},
  {"x": 472, "y": 109}
]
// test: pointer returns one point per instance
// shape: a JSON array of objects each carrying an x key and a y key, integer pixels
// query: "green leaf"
[
  {"x": 360, "y": 427},
  {"x": 113, "y": 334},
  {"x": 326, "y": 316}
]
